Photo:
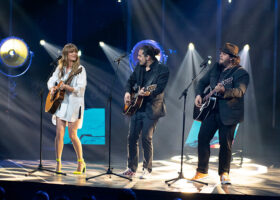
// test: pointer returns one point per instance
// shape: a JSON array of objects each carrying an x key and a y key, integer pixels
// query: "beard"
[{"x": 224, "y": 63}]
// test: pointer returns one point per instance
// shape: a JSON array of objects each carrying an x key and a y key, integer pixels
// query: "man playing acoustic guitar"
[
  {"x": 227, "y": 113},
  {"x": 148, "y": 72}
]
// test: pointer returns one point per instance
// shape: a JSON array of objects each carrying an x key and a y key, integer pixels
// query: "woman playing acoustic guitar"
[{"x": 71, "y": 110}]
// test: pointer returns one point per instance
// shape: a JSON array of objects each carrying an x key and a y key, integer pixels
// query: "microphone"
[
  {"x": 121, "y": 57},
  {"x": 53, "y": 63},
  {"x": 205, "y": 61}
]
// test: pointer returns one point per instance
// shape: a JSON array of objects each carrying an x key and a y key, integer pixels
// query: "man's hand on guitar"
[
  {"x": 127, "y": 98},
  {"x": 142, "y": 92},
  {"x": 220, "y": 88},
  {"x": 198, "y": 101}
]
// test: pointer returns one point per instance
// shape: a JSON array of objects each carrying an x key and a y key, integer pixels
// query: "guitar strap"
[{"x": 231, "y": 72}]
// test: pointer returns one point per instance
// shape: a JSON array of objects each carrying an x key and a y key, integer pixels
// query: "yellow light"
[
  {"x": 246, "y": 47},
  {"x": 42, "y": 42},
  {"x": 191, "y": 46},
  {"x": 102, "y": 44},
  {"x": 14, "y": 52}
]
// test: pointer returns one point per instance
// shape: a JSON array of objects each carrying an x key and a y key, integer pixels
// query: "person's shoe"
[
  {"x": 83, "y": 169},
  {"x": 58, "y": 165},
  {"x": 145, "y": 174},
  {"x": 225, "y": 180},
  {"x": 199, "y": 176},
  {"x": 129, "y": 173}
]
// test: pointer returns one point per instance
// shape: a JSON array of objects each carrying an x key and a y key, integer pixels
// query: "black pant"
[
  {"x": 140, "y": 123},
  {"x": 207, "y": 131}
]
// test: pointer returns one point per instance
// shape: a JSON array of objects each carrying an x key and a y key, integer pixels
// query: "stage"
[
  {"x": 251, "y": 181},
  {"x": 188, "y": 39}
]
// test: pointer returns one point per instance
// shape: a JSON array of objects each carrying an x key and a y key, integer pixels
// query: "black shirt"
[{"x": 147, "y": 75}]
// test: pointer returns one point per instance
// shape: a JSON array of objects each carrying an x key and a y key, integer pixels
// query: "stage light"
[
  {"x": 102, "y": 44},
  {"x": 119, "y": 1},
  {"x": 14, "y": 52},
  {"x": 229, "y": 1},
  {"x": 79, "y": 53},
  {"x": 133, "y": 61},
  {"x": 42, "y": 42},
  {"x": 246, "y": 47},
  {"x": 191, "y": 46}
]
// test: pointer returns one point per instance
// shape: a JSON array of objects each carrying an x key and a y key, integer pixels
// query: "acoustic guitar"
[
  {"x": 136, "y": 101},
  {"x": 54, "y": 100},
  {"x": 208, "y": 103}
]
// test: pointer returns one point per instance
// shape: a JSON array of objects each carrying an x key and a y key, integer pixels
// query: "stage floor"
[{"x": 250, "y": 179}]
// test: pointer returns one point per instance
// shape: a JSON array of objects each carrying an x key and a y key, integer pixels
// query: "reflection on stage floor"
[{"x": 250, "y": 179}]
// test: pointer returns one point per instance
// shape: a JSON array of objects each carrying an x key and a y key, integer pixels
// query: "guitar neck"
[
  {"x": 69, "y": 79},
  {"x": 208, "y": 95}
]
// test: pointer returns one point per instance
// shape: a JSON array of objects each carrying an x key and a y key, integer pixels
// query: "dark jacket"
[
  {"x": 231, "y": 103},
  {"x": 155, "y": 106}
]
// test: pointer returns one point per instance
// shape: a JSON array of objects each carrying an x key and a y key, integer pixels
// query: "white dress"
[{"x": 72, "y": 106}]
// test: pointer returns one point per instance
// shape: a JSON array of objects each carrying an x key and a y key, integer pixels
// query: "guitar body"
[
  {"x": 136, "y": 101},
  {"x": 54, "y": 101},
  {"x": 200, "y": 113},
  {"x": 208, "y": 104}
]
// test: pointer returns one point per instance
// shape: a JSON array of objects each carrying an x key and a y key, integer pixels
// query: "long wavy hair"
[
  {"x": 235, "y": 60},
  {"x": 63, "y": 62}
]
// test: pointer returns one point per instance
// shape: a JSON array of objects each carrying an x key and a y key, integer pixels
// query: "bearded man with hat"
[{"x": 227, "y": 113}]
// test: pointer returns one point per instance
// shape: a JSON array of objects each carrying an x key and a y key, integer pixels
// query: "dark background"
[{"x": 172, "y": 23}]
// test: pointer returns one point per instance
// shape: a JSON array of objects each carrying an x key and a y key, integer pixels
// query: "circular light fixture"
[
  {"x": 42, "y": 42},
  {"x": 246, "y": 47},
  {"x": 191, "y": 46},
  {"x": 14, "y": 53},
  {"x": 102, "y": 44},
  {"x": 79, "y": 53},
  {"x": 133, "y": 61}
]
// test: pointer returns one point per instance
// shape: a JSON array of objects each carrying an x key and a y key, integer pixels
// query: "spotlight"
[
  {"x": 42, "y": 42},
  {"x": 209, "y": 62},
  {"x": 246, "y": 47},
  {"x": 79, "y": 53},
  {"x": 119, "y": 1},
  {"x": 133, "y": 61},
  {"x": 102, "y": 44},
  {"x": 191, "y": 46},
  {"x": 229, "y": 1},
  {"x": 13, "y": 52}
]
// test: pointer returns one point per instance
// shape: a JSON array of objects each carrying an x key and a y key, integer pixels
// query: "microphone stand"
[
  {"x": 109, "y": 101},
  {"x": 184, "y": 94},
  {"x": 40, "y": 166}
]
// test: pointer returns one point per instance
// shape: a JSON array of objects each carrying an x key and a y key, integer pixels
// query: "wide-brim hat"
[{"x": 230, "y": 49}]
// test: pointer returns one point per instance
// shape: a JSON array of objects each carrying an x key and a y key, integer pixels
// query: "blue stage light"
[{"x": 133, "y": 56}]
